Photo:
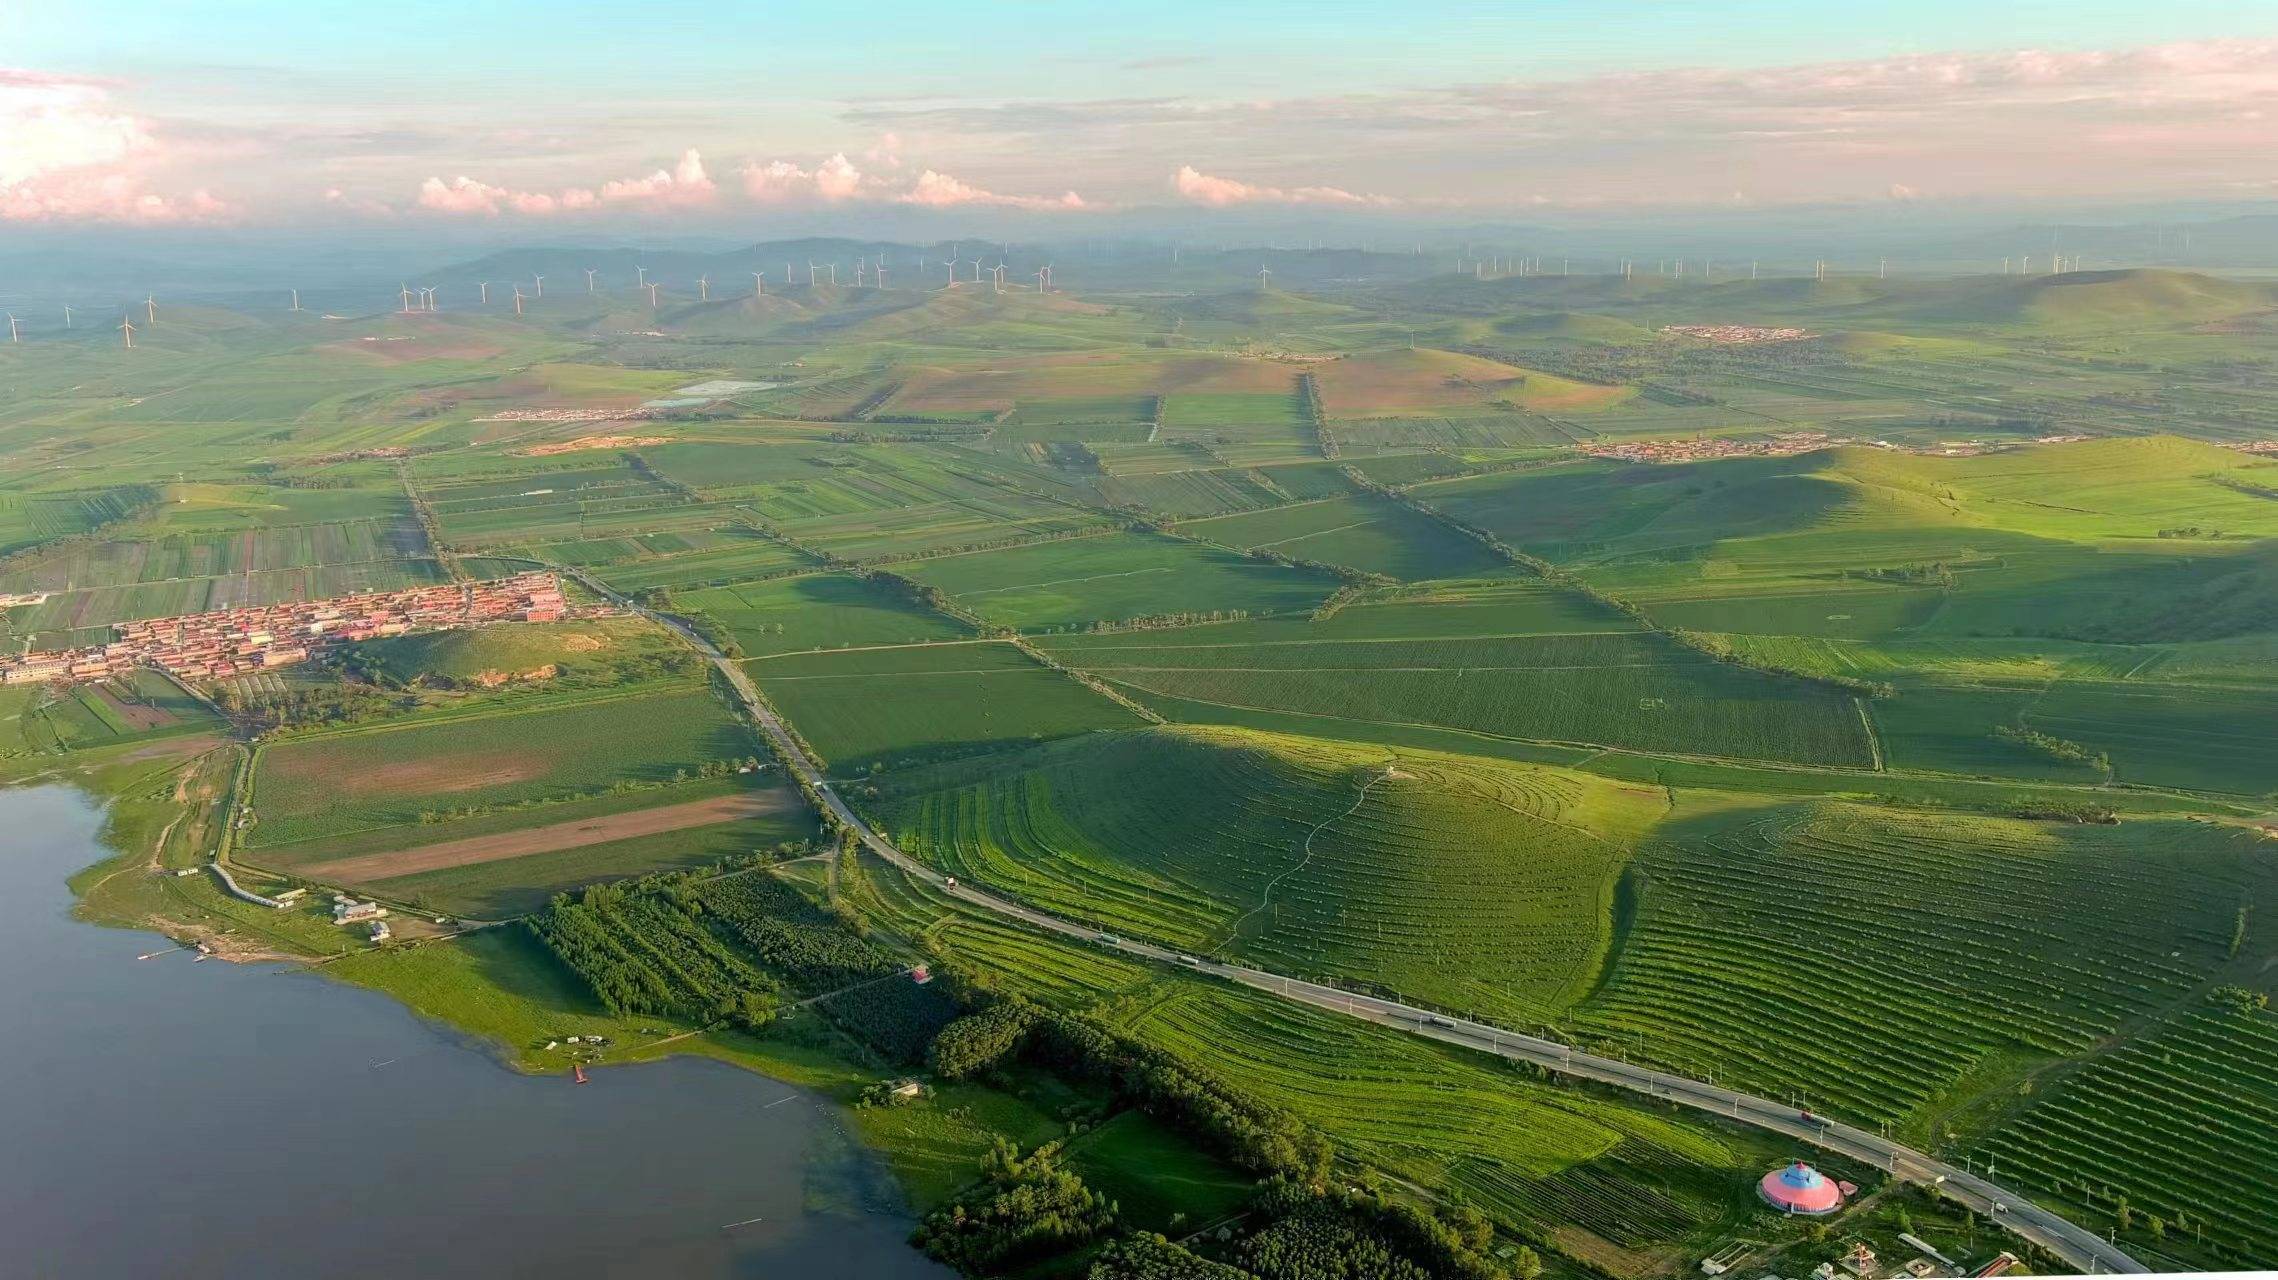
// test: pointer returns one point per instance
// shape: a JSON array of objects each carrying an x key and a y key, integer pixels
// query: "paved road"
[{"x": 2079, "y": 1247}]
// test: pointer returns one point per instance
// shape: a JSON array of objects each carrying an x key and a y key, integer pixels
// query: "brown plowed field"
[{"x": 560, "y": 835}]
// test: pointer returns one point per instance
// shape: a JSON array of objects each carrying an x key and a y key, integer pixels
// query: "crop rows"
[
  {"x": 2179, "y": 1124},
  {"x": 1866, "y": 959},
  {"x": 1637, "y": 692}
]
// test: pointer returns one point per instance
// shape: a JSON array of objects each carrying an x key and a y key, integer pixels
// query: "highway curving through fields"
[{"x": 2080, "y": 1248}]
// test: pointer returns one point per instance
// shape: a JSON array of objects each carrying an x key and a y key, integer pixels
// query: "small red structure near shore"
[
  {"x": 1799, "y": 1188},
  {"x": 921, "y": 975}
]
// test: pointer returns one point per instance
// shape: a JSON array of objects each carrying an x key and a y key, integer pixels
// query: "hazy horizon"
[{"x": 517, "y": 126}]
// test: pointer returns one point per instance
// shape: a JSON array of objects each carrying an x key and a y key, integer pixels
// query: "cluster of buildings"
[
  {"x": 560, "y": 415},
  {"x": 228, "y": 642},
  {"x": 1706, "y": 448},
  {"x": 1737, "y": 334}
]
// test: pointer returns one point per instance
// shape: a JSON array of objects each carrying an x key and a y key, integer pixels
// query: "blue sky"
[{"x": 268, "y": 106}]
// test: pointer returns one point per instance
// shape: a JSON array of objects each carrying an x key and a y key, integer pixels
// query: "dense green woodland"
[{"x": 1877, "y": 720}]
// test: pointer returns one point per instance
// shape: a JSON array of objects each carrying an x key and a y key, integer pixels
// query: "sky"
[{"x": 674, "y": 113}]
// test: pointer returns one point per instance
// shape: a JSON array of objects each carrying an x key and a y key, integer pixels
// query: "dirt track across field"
[{"x": 560, "y": 835}]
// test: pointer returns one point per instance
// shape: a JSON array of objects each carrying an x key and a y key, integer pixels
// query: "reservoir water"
[{"x": 166, "y": 1117}]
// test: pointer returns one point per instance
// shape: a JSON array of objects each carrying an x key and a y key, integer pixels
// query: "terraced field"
[{"x": 1870, "y": 959}]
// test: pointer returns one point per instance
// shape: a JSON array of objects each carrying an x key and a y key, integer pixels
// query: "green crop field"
[
  {"x": 1635, "y": 691},
  {"x": 1116, "y": 577},
  {"x": 423, "y": 769},
  {"x": 818, "y": 611},
  {"x": 875, "y": 707},
  {"x": 1371, "y": 534}
]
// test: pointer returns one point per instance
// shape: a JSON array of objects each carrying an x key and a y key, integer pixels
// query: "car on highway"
[{"x": 1436, "y": 1021}]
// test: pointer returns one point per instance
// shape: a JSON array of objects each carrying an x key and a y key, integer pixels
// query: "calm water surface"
[{"x": 166, "y": 1117}]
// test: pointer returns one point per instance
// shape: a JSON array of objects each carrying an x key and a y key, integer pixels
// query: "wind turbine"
[
  {"x": 834, "y": 275},
  {"x": 518, "y": 299},
  {"x": 430, "y": 292},
  {"x": 640, "y": 277},
  {"x": 126, "y": 324},
  {"x": 1048, "y": 276},
  {"x": 404, "y": 291},
  {"x": 976, "y": 269},
  {"x": 485, "y": 292},
  {"x": 541, "y": 282},
  {"x": 812, "y": 268},
  {"x": 759, "y": 284},
  {"x": 950, "y": 265},
  {"x": 67, "y": 315},
  {"x": 589, "y": 280},
  {"x": 296, "y": 306},
  {"x": 703, "y": 288},
  {"x": 880, "y": 273},
  {"x": 15, "y": 333},
  {"x": 150, "y": 302},
  {"x": 1262, "y": 274},
  {"x": 653, "y": 296},
  {"x": 1040, "y": 274}
]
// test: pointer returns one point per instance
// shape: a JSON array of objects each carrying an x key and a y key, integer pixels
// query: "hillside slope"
[{"x": 1463, "y": 882}]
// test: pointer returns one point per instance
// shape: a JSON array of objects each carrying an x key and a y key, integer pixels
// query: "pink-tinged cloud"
[
  {"x": 685, "y": 184},
  {"x": 786, "y": 182},
  {"x": 940, "y": 191},
  {"x": 1197, "y": 187},
  {"x": 68, "y": 154}
]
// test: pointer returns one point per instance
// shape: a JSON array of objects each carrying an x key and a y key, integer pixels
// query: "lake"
[{"x": 184, "y": 1118}]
